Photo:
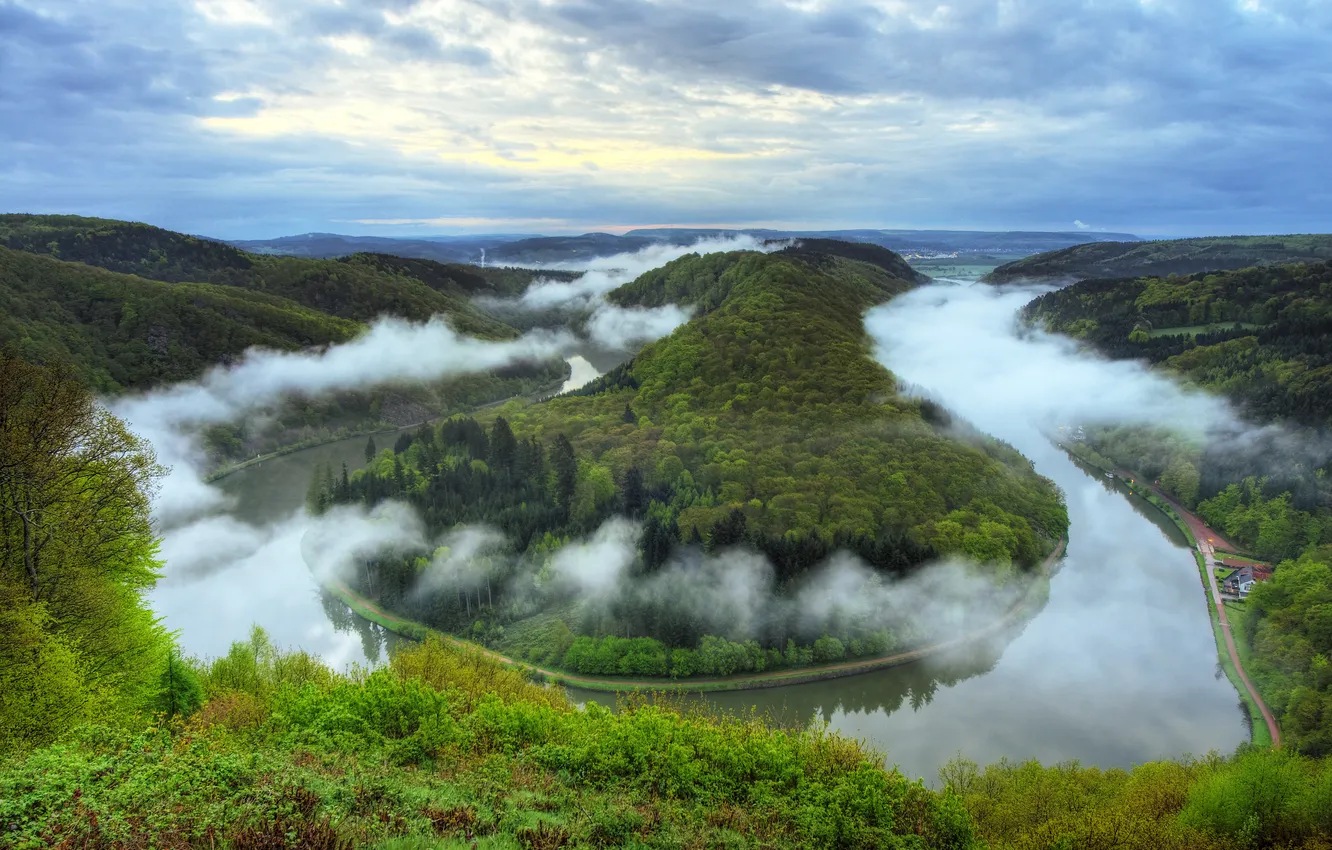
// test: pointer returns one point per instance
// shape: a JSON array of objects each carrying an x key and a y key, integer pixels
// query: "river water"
[{"x": 1119, "y": 667}]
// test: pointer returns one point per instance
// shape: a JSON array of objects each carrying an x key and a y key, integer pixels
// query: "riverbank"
[
  {"x": 382, "y": 428},
  {"x": 1264, "y": 729},
  {"x": 223, "y": 471},
  {"x": 1035, "y": 595}
]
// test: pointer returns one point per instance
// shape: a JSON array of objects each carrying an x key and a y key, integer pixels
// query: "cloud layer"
[{"x": 256, "y": 118}]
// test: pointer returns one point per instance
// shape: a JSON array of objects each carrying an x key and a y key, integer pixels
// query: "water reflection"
[{"x": 581, "y": 371}]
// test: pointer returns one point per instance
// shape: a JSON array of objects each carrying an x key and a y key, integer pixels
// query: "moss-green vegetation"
[
  {"x": 763, "y": 421},
  {"x": 1260, "y": 798},
  {"x": 1165, "y": 257},
  {"x": 442, "y": 749},
  {"x": 443, "y": 746}
]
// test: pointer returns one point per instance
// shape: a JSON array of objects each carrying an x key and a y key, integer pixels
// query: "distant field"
[
  {"x": 1194, "y": 330},
  {"x": 960, "y": 268}
]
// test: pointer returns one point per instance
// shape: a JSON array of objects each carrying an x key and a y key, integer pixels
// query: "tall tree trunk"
[{"x": 29, "y": 555}]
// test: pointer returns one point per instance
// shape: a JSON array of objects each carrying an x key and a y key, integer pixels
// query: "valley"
[{"x": 821, "y": 495}]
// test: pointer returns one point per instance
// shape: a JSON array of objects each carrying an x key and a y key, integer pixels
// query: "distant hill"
[
  {"x": 1262, "y": 336},
  {"x": 120, "y": 331},
  {"x": 1164, "y": 257},
  {"x": 1009, "y": 243},
  {"x": 443, "y": 249},
  {"x": 359, "y": 287},
  {"x": 130, "y": 306},
  {"x": 539, "y": 250}
]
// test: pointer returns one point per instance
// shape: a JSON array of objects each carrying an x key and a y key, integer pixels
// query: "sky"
[{"x": 259, "y": 118}]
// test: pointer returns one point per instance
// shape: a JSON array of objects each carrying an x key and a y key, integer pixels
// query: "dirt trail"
[{"x": 737, "y": 683}]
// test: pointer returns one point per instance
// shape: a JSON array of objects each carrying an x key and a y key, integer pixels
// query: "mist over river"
[{"x": 1120, "y": 666}]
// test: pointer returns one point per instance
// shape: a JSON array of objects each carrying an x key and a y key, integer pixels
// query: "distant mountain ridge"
[
  {"x": 522, "y": 249},
  {"x": 1164, "y": 257}
]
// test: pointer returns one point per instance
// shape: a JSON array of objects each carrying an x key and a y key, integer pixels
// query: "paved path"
[
  {"x": 763, "y": 680},
  {"x": 1207, "y": 540}
]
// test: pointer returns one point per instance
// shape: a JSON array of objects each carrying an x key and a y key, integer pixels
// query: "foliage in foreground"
[
  {"x": 76, "y": 552},
  {"x": 444, "y": 745},
  {"x": 444, "y": 748},
  {"x": 1259, "y": 798}
]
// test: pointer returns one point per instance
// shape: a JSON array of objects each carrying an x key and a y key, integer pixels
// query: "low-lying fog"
[{"x": 1120, "y": 667}]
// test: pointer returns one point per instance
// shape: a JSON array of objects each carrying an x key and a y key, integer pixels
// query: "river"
[{"x": 1119, "y": 667}]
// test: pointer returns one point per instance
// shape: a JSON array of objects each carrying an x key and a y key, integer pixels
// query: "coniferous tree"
[
  {"x": 564, "y": 466},
  {"x": 635, "y": 493},
  {"x": 503, "y": 445},
  {"x": 370, "y": 450}
]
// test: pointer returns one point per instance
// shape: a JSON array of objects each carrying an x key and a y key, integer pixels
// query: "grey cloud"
[{"x": 1184, "y": 116}]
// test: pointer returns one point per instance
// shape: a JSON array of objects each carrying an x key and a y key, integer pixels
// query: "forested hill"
[
  {"x": 119, "y": 331},
  {"x": 704, "y": 282},
  {"x": 360, "y": 287},
  {"x": 1164, "y": 257},
  {"x": 764, "y": 421},
  {"x": 1262, "y": 336}
]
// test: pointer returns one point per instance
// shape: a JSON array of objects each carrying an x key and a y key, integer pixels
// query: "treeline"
[
  {"x": 164, "y": 307},
  {"x": 1288, "y": 625},
  {"x": 1268, "y": 493},
  {"x": 714, "y": 656},
  {"x": 1162, "y": 257}
]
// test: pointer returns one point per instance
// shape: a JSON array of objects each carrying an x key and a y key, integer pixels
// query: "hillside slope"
[
  {"x": 120, "y": 331},
  {"x": 762, "y": 422},
  {"x": 1261, "y": 336},
  {"x": 1164, "y": 257},
  {"x": 360, "y": 287}
]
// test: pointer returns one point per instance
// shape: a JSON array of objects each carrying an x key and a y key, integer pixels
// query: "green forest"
[
  {"x": 109, "y": 738},
  {"x": 130, "y": 307},
  {"x": 763, "y": 421},
  {"x": 1162, "y": 257},
  {"x": 1263, "y": 338}
]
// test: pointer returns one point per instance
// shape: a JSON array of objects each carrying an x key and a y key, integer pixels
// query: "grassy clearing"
[{"x": 1194, "y": 330}]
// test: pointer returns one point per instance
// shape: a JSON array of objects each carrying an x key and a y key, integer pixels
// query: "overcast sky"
[{"x": 259, "y": 118}]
